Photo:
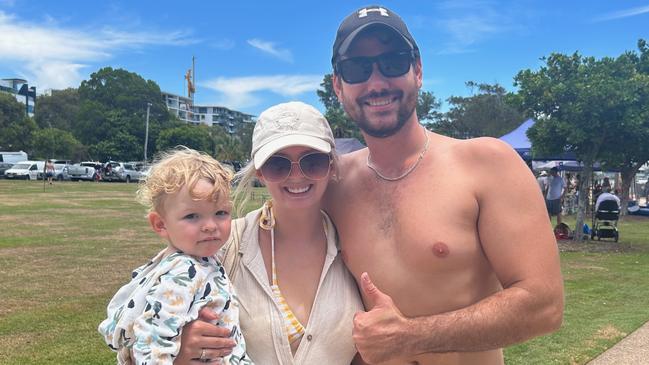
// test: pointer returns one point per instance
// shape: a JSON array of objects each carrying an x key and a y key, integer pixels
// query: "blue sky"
[{"x": 253, "y": 54}]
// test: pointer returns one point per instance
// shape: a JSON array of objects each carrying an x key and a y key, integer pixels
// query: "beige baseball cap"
[{"x": 289, "y": 124}]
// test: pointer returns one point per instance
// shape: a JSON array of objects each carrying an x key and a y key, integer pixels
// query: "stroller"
[{"x": 605, "y": 221}]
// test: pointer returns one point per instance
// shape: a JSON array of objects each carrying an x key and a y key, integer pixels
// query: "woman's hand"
[{"x": 202, "y": 339}]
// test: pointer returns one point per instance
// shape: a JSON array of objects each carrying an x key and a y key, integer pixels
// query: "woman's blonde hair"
[
  {"x": 180, "y": 167},
  {"x": 246, "y": 177}
]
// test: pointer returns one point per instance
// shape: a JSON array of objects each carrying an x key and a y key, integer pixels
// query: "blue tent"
[
  {"x": 518, "y": 137},
  {"x": 347, "y": 145},
  {"x": 519, "y": 141}
]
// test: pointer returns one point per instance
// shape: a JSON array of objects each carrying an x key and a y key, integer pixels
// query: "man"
[
  {"x": 462, "y": 260},
  {"x": 541, "y": 180},
  {"x": 556, "y": 188},
  {"x": 606, "y": 195}
]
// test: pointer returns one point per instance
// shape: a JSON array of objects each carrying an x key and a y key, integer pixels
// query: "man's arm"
[{"x": 517, "y": 240}]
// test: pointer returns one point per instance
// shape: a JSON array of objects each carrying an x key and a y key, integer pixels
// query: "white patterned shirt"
[{"x": 146, "y": 316}]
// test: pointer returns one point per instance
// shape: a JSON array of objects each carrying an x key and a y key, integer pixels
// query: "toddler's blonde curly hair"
[{"x": 180, "y": 167}]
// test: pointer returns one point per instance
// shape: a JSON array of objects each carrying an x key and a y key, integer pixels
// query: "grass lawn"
[{"x": 66, "y": 248}]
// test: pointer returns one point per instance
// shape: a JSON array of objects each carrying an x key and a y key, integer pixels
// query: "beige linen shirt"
[{"x": 328, "y": 334}]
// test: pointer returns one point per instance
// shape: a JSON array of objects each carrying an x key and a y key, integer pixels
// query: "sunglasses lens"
[
  {"x": 315, "y": 166},
  {"x": 394, "y": 64},
  {"x": 355, "y": 70},
  {"x": 359, "y": 69},
  {"x": 276, "y": 168}
]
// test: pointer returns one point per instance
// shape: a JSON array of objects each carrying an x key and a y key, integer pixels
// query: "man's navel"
[{"x": 440, "y": 249}]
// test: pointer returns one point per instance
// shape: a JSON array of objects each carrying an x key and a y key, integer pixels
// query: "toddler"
[{"x": 188, "y": 196}]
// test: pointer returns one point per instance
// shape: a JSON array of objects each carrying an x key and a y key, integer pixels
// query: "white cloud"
[
  {"x": 271, "y": 48},
  {"x": 239, "y": 92},
  {"x": 54, "y": 57},
  {"x": 469, "y": 22},
  {"x": 137, "y": 39},
  {"x": 623, "y": 14},
  {"x": 55, "y": 75},
  {"x": 223, "y": 44}
]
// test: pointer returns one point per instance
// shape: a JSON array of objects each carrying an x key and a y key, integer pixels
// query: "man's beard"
[{"x": 407, "y": 107}]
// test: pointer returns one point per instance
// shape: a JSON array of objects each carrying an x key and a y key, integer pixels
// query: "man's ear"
[
  {"x": 337, "y": 85},
  {"x": 418, "y": 72},
  {"x": 158, "y": 225}
]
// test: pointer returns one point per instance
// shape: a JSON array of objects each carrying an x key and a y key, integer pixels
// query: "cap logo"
[
  {"x": 287, "y": 121},
  {"x": 365, "y": 12}
]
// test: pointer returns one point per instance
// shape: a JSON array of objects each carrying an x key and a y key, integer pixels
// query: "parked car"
[
  {"x": 4, "y": 166},
  {"x": 60, "y": 170},
  {"x": 82, "y": 171},
  {"x": 641, "y": 177},
  {"x": 13, "y": 157},
  {"x": 27, "y": 170},
  {"x": 144, "y": 172},
  {"x": 234, "y": 165},
  {"x": 120, "y": 171}
]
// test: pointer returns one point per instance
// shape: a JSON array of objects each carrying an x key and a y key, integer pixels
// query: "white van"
[
  {"x": 12, "y": 157},
  {"x": 27, "y": 170}
]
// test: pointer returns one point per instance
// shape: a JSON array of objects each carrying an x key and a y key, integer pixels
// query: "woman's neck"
[{"x": 297, "y": 224}]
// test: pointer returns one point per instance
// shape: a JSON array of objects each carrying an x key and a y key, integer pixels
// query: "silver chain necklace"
[{"x": 407, "y": 172}]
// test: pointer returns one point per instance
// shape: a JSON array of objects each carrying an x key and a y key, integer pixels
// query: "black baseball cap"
[{"x": 361, "y": 19}]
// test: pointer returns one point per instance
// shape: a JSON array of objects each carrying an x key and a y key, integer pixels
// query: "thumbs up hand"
[{"x": 380, "y": 332}]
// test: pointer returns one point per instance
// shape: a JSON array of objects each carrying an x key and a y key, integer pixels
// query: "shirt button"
[{"x": 309, "y": 337}]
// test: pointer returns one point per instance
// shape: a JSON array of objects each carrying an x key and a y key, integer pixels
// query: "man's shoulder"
[
  {"x": 352, "y": 159},
  {"x": 481, "y": 151},
  {"x": 350, "y": 163}
]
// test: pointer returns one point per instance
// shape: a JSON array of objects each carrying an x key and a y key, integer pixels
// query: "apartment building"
[
  {"x": 21, "y": 91},
  {"x": 183, "y": 108}
]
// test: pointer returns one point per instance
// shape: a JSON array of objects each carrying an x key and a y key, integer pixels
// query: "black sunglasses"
[
  {"x": 359, "y": 69},
  {"x": 314, "y": 166}
]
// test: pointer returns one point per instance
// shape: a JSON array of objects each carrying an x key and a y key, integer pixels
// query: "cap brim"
[
  {"x": 344, "y": 46},
  {"x": 280, "y": 143}
]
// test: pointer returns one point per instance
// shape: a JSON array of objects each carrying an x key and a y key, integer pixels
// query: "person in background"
[
  {"x": 542, "y": 181},
  {"x": 555, "y": 191},
  {"x": 606, "y": 183},
  {"x": 49, "y": 171}
]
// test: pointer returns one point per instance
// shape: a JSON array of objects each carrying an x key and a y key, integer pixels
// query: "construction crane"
[{"x": 190, "y": 76}]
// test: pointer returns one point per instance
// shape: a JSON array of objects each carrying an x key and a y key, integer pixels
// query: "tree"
[
  {"x": 583, "y": 105},
  {"x": 491, "y": 112},
  {"x": 56, "y": 143},
  {"x": 114, "y": 101},
  {"x": 196, "y": 137},
  {"x": 58, "y": 110},
  {"x": 229, "y": 149},
  {"x": 15, "y": 127},
  {"x": 631, "y": 149},
  {"x": 11, "y": 110},
  {"x": 343, "y": 127},
  {"x": 244, "y": 136},
  {"x": 427, "y": 108},
  {"x": 120, "y": 146}
]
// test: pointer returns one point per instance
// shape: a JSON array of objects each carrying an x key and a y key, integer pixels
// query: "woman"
[{"x": 297, "y": 299}]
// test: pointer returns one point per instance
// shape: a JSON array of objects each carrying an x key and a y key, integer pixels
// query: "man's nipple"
[{"x": 440, "y": 249}]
